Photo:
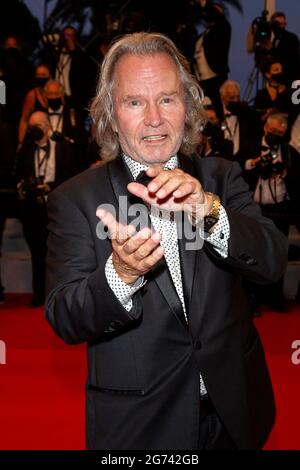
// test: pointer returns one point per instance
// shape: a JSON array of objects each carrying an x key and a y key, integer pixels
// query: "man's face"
[
  {"x": 211, "y": 116},
  {"x": 42, "y": 72},
  {"x": 232, "y": 94},
  {"x": 69, "y": 34},
  {"x": 149, "y": 107},
  {"x": 276, "y": 68},
  {"x": 280, "y": 22},
  {"x": 11, "y": 42},
  {"x": 275, "y": 127},
  {"x": 42, "y": 123},
  {"x": 53, "y": 91}
]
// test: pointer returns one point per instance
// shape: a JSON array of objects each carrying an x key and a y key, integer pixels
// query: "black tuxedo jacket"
[
  {"x": 250, "y": 133},
  {"x": 216, "y": 42},
  {"x": 66, "y": 162},
  {"x": 143, "y": 389},
  {"x": 83, "y": 71},
  {"x": 287, "y": 52}
]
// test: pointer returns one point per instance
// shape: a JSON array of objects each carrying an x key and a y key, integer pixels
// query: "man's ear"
[{"x": 114, "y": 126}]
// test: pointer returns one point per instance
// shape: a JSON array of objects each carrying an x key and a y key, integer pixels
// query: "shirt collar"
[
  {"x": 55, "y": 112},
  {"x": 136, "y": 167}
]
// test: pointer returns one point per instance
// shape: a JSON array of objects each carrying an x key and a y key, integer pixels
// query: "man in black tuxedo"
[
  {"x": 42, "y": 164},
  {"x": 171, "y": 365},
  {"x": 66, "y": 122},
  {"x": 212, "y": 50},
  {"x": 285, "y": 47},
  {"x": 241, "y": 124},
  {"x": 75, "y": 70},
  {"x": 270, "y": 175}
]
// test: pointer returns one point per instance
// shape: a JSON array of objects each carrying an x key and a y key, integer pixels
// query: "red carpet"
[{"x": 42, "y": 382}]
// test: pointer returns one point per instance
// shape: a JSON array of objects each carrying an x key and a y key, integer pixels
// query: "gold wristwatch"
[{"x": 213, "y": 216}]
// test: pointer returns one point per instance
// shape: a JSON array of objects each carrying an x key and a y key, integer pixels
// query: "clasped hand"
[{"x": 135, "y": 254}]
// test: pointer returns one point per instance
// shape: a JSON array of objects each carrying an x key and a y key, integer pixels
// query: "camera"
[
  {"x": 57, "y": 136},
  {"x": 267, "y": 165},
  {"x": 33, "y": 189},
  {"x": 214, "y": 134},
  {"x": 60, "y": 137},
  {"x": 261, "y": 28}
]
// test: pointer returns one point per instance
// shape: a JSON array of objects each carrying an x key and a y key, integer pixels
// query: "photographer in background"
[
  {"x": 42, "y": 164},
  {"x": 259, "y": 39},
  {"x": 268, "y": 176},
  {"x": 75, "y": 70},
  {"x": 34, "y": 100},
  {"x": 212, "y": 50},
  {"x": 66, "y": 122},
  {"x": 275, "y": 97},
  {"x": 241, "y": 124},
  {"x": 213, "y": 143},
  {"x": 285, "y": 47},
  {"x": 15, "y": 71},
  {"x": 269, "y": 40}
]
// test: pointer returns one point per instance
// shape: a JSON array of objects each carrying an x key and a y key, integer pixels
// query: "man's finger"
[
  {"x": 118, "y": 231},
  {"x": 147, "y": 247},
  {"x": 154, "y": 171},
  {"x": 137, "y": 240},
  {"x": 139, "y": 190},
  {"x": 153, "y": 258},
  {"x": 184, "y": 189},
  {"x": 170, "y": 186}
]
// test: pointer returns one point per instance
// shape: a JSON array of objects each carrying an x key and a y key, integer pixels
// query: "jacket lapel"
[
  {"x": 120, "y": 176},
  {"x": 185, "y": 243}
]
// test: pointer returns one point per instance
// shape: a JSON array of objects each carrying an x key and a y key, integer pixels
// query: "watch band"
[{"x": 213, "y": 216}]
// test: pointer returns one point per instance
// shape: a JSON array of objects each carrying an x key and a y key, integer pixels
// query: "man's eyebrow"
[
  {"x": 169, "y": 93},
  {"x": 138, "y": 96},
  {"x": 131, "y": 97}
]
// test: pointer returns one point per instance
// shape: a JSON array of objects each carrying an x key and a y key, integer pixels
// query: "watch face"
[{"x": 210, "y": 220}]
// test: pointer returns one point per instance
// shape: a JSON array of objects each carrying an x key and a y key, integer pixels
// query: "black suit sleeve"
[
  {"x": 80, "y": 305},
  {"x": 257, "y": 249}
]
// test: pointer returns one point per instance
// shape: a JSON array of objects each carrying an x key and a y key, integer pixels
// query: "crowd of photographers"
[
  {"x": 264, "y": 134},
  {"x": 46, "y": 135}
]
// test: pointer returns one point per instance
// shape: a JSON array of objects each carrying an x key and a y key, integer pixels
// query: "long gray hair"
[{"x": 102, "y": 113}]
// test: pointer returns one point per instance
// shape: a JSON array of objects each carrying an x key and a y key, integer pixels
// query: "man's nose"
[{"x": 153, "y": 116}]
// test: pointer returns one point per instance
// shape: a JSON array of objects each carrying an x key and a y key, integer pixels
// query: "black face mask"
[
  {"x": 210, "y": 16},
  {"x": 234, "y": 107},
  {"x": 41, "y": 81},
  {"x": 278, "y": 78},
  {"x": 212, "y": 130},
  {"x": 277, "y": 30},
  {"x": 12, "y": 52},
  {"x": 34, "y": 133},
  {"x": 54, "y": 103},
  {"x": 273, "y": 140}
]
